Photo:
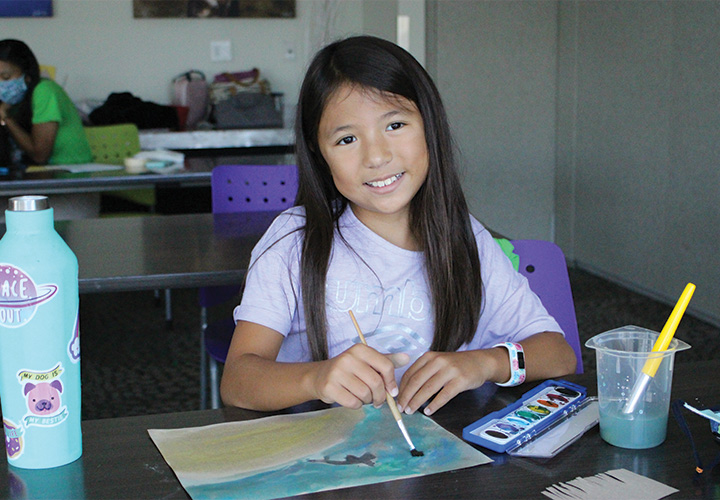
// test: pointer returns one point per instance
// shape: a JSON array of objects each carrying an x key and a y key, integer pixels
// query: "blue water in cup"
[{"x": 621, "y": 355}]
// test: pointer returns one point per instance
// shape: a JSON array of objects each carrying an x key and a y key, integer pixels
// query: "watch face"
[{"x": 521, "y": 359}]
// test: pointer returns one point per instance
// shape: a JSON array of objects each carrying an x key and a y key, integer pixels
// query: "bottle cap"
[{"x": 30, "y": 203}]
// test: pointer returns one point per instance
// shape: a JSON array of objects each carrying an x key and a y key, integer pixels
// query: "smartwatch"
[{"x": 517, "y": 364}]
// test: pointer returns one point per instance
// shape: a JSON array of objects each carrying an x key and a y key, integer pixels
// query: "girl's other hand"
[
  {"x": 446, "y": 374},
  {"x": 358, "y": 376},
  {"x": 547, "y": 355}
]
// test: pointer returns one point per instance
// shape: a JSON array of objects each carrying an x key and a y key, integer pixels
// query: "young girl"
[
  {"x": 381, "y": 229},
  {"x": 40, "y": 121}
]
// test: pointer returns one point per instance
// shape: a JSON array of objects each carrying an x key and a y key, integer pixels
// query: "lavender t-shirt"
[{"x": 386, "y": 288}]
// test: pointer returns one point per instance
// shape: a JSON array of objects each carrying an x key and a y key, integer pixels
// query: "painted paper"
[{"x": 289, "y": 455}]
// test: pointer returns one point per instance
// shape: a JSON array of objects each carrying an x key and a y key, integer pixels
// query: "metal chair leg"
[
  {"x": 168, "y": 310},
  {"x": 203, "y": 359},
  {"x": 214, "y": 384}
]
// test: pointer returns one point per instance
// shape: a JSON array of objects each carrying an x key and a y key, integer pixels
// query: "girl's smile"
[
  {"x": 375, "y": 147},
  {"x": 383, "y": 183}
]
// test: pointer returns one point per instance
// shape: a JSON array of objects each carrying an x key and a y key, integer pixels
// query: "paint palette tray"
[{"x": 542, "y": 423}]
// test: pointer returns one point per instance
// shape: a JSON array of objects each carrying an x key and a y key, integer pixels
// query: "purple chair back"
[
  {"x": 248, "y": 188},
  {"x": 253, "y": 188},
  {"x": 244, "y": 188},
  {"x": 543, "y": 264}
]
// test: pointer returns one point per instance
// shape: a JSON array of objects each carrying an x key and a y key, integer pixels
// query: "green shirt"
[{"x": 50, "y": 103}]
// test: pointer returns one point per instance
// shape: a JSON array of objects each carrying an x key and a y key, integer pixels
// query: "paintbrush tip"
[{"x": 416, "y": 453}]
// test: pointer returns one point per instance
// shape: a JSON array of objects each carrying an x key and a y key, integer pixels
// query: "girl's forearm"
[
  {"x": 260, "y": 384},
  {"x": 19, "y": 134},
  {"x": 38, "y": 144},
  {"x": 547, "y": 355}
]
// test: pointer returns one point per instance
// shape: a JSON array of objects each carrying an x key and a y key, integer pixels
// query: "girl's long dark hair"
[
  {"x": 18, "y": 53},
  {"x": 439, "y": 216}
]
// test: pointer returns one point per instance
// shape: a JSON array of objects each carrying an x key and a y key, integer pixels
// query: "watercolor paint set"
[{"x": 543, "y": 422}]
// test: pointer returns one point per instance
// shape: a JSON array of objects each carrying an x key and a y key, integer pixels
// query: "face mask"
[{"x": 13, "y": 91}]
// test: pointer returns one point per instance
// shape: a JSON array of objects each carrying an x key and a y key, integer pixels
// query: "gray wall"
[
  {"x": 495, "y": 65},
  {"x": 641, "y": 133},
  {"x": 594, "y": 123},
  {"x": 379, "y": 18}
]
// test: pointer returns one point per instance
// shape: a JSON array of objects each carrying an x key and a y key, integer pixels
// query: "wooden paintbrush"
[{"x": 390, "y": 401}]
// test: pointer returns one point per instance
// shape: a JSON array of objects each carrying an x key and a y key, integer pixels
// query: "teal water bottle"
[{"x": 39, "y": 339}]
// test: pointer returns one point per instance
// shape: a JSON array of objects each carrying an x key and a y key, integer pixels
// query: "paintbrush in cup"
[
  {"x": 661, "y": 344},
  {"x": 390, "y": 401}
]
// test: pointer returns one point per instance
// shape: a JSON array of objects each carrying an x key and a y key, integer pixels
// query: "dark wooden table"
[
  {"x": 120, "y": 461},
  {"x": 163, "y": 251}
]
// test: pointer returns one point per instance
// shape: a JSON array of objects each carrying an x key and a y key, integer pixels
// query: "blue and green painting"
[{"x": 288, "y": 455}]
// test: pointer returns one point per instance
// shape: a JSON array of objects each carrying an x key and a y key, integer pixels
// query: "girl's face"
[
  {"x": 375, "y": 147},
  {"x": 9, "y": 71}
]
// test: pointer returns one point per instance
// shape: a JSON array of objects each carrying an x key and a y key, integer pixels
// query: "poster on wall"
[
  {"x": 26, "y": 8},
  {"x": 213, "y": 8}
]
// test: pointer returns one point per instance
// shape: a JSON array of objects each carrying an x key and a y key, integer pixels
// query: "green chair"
[{"x": 111, "y": 144}]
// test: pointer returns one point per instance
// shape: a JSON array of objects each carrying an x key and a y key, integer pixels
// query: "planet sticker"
[
  {"x": 20, "y": 296},
  {"x": 13, "y": 439}
]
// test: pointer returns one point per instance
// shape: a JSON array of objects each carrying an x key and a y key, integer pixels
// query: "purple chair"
[
  {"x": 236, "y": 188},
  {"x": 543, "y": 264},
  {"x": 253, "y": 188}
]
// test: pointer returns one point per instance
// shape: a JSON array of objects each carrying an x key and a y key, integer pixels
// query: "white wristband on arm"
[{"x": 517, "y": 364}]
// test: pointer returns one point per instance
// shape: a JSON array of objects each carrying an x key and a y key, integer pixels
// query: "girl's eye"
[
  {"x": 346, "y": 140},
  {"x": 395, "y": 125}
]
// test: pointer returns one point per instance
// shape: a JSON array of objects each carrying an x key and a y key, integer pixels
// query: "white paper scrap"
[
  {"x": 618, "y": 483},
  {"x": 709, "y": 414}
]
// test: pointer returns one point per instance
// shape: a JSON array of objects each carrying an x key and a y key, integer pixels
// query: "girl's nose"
[{"x": 377, "y": 152}]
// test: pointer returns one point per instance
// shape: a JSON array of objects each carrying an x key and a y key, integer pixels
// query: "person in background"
[
  {"x": 40, "y": 123},
  {"x": 382, "y": 229}
]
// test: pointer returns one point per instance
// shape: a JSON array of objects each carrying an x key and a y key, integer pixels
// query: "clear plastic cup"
[{"x": 621, "y": 356}]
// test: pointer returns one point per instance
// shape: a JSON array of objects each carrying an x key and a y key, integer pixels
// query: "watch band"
[{"x": 517, "y": 363}]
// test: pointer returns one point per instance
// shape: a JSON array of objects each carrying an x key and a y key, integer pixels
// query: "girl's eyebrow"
[
  {"x": 341, "y": 128},
  {"x": 391, "y": 113}
]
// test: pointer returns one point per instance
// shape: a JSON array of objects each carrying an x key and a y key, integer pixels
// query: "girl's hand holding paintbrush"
[
  {"x": 358, "y": 376},
  {"x": 256, "y": 380}
]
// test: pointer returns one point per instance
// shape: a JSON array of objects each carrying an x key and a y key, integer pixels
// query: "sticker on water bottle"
[
  {"x": 20, "y": 296},
  {"x": 14, "y": 444},
  {"x": 43, "y": 392},
  {"x": 74, "y": 344}
]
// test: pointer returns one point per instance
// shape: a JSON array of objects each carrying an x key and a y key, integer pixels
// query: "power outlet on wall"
[
  {"x": 220, "y": 50},
  {"x": 289, "y": 50}
]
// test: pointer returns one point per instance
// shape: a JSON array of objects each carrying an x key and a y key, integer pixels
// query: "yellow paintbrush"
[{"x": 661, "y": 344}]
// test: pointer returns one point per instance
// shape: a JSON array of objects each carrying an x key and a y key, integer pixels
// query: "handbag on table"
[
  {"x": 245, "y": 100},
  {"x": 190, "y": 90}
]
